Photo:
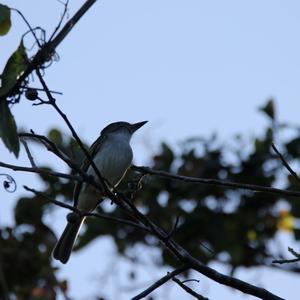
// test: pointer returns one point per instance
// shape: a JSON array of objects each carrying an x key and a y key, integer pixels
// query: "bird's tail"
[{"x": 64, "y": 246}]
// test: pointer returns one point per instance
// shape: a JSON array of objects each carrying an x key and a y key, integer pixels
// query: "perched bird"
[{"x": 112, "y": 154}]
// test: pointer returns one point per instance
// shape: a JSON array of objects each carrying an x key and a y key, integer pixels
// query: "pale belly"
[{"x": 112, "y": 162}]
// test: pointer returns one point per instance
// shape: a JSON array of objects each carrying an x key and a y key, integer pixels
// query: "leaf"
[
  {"x": 15, "y": 66},
  {"x": 269, "y": 109},
  {"x": 55, "y": 136},
  {"x": 29, "y": 210},
  {"x": 8, "y": 129},
  {"x": 5, "y": 22}
]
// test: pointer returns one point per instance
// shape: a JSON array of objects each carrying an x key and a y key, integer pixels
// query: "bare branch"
[
  {"x": 287, "y": 261},
  {"x": 50, "y": 146},
  {"x": 39, "y": 89},
  {"x": 86, "y": 213},
  {"x": 173, "y": 229},
  {"x": 218, "y": 182},
  {"x": 286, "y": 164},
  {"x": 30, "y": 157},
  {"x": 71, "y": 23},
  {"x": 189, "y": 290},
  {"x": 40, "y": 171},
  {"x": 296, "y": 254},
  {"x": 28, "y": 25},
  {"x": 195, "y": 264},
  {"x": 61, "y": 19},
  {"x": 190, "y": 280},
  {"x": 160, "y": 282}
]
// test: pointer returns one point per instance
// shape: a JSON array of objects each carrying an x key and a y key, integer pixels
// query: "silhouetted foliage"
[{"x": 236, "y": 225}]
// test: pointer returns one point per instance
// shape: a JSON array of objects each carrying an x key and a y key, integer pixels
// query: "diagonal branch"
[
  {"x": 28, "y": 25},
  {"x": 46, "y": 51},
  {"x": 185, "y": 257},
  {"x": 160, "y": 282},
  {"x": 71, "y": 128},
  {"x": 189, "y": 290},
  {"x": 50, "y": 146},
  {"x": 30, "y": 157},
  {"x": 71, "y": 23},
  {"x": 86, "y": 213},
  {"x": 286, "y": 164}
]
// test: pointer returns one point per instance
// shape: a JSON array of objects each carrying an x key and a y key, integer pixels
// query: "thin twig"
[
  {"x": 40, "y": 171},
  {"x": 39, "y": 89},
  {"x": 190, "y": 280},
  {"x": 61, "y": 19},
  {"x": 287, "y": 261},
  {"x": 174, "y": 228},
  {"x": 296, "y": 254},
  {"x": 29, "y": 155},
  {"x": 189, "y": 290},
  {"x": 28, "y": 24},
  {"x": 160, "y": 282},
  {"x": 218, "y": 182},
  {"x": 50, "y": 146},
  {"x": 286, "y": 164}
]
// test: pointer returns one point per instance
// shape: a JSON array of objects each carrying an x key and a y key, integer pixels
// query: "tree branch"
[
  {"x": 218, "y": 182},
  {"x": 52, "y": 101},
  {"x": 189, "y": 290},
  {"x": 286, "y": 164},
  {"x": 287, "y": 261},
  {"x": 50, "y": 146},
  {"x": 188, "y": 259},
  {"x": 40, "y": 171},
  {"x": 160, "y": 282},
  {"x": 30, "y": 157},
  {"x": 86, "y": 213},
  {"x": 46, "y": 51},
  {"x": 71, "y": 23}
]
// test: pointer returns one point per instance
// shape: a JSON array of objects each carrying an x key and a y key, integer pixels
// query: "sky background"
[{"x": 190, "y": 67}]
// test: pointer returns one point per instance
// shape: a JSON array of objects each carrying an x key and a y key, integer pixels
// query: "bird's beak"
[{"x": 136, "y": 126}]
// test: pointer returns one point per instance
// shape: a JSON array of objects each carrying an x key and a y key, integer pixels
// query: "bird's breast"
[{"x": 113, "y": 159}]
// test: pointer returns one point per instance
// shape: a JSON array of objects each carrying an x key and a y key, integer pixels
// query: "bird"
[{"x": 112, "y": 155}]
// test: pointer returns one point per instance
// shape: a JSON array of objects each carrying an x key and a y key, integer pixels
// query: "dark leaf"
[
  {"x": 8, "y": 129},
  {"x": 29, "y": 210},
  {"x": 14, "y": 67},
  {"x": 55, "y": 136},
  {"x": 5, "y": 22},
  {"x": 269, "y": 109}
]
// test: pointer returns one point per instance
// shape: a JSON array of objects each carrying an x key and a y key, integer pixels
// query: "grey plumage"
[{"x": 112, "y": 155}]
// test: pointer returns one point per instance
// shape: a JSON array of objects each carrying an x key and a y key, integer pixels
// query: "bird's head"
[{"x": 122, "y": 128}]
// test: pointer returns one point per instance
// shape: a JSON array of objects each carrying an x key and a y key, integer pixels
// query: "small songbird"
[{"x": 112, "y": 154}]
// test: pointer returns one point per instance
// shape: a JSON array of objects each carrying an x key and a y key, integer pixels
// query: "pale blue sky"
[{"x": 189, "y": 67}]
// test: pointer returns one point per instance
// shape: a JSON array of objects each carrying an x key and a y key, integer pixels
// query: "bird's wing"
[{"x": 85, "y": 165}]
